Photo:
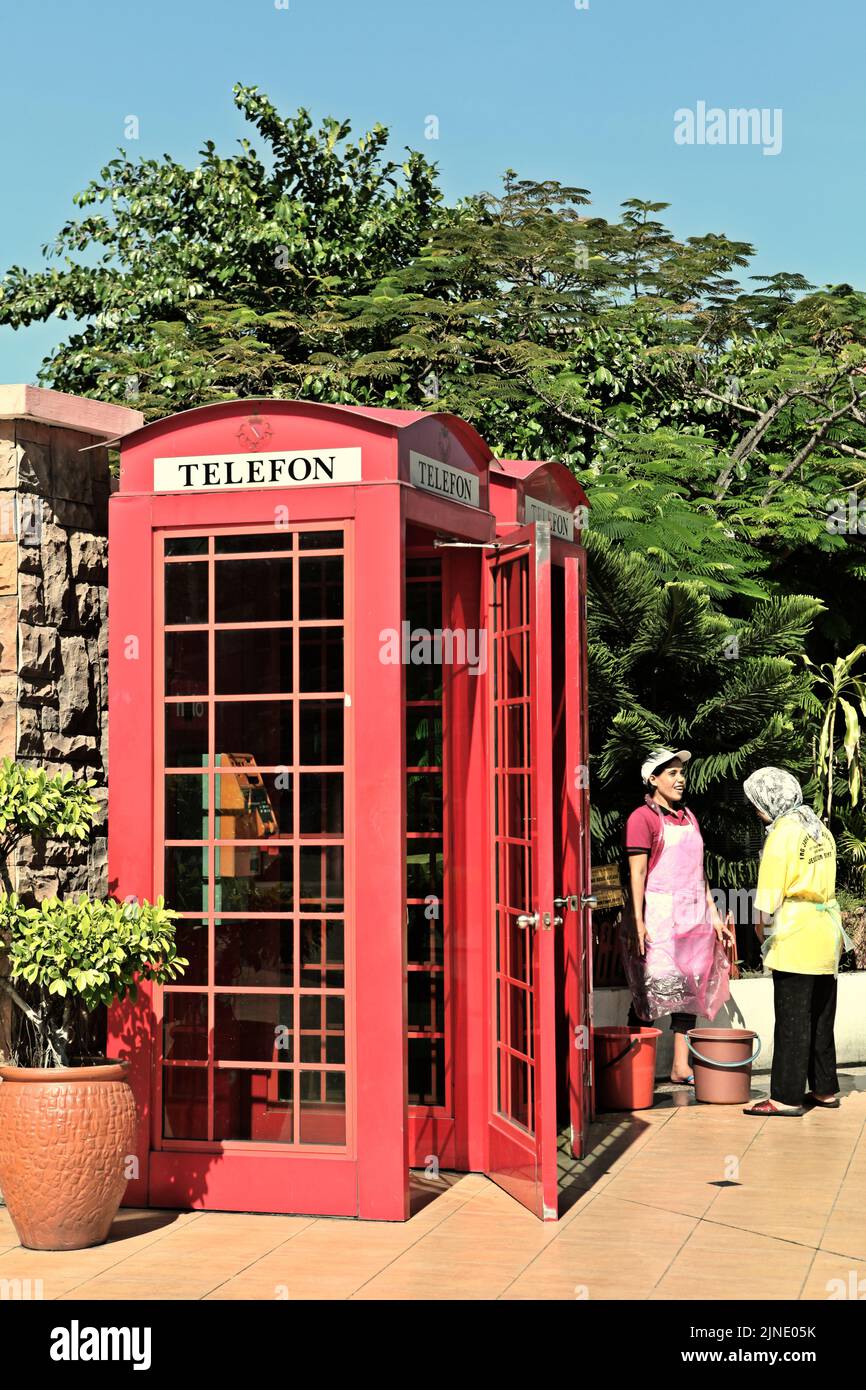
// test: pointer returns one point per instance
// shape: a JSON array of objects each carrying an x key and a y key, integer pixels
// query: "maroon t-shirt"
[{"x": 643, "y": 829}]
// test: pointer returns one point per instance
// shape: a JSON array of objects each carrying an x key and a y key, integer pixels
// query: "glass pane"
[
  {"x": 424, "y": 672},
  {"x": 186, "y": 734},
  {"x": 424, "y": 933},
  {"x": 321, "y": 726},
  {"x": 321, "y": 658},
  {"x": 263, "y": 540},
  {"x": 517, "y": 893},
  {"x": 191, "y": 939},
  {"x": 186, "y": 663},
  {"x": 424, "y": 801},
  {"x": 185, "y": 807},
  {"x": 516, "y": 665},
  {"x": 424, "y": 869},
  {"x": 520, "y": 1109},
  {"x": 424, "y": 605},
  {"x": 254, "y": 661},
  {"x": 426, "y": 1071},
  {"x": 186, "y": 885},
  {"x": 321, "y": 803},
  {"x": 518, "y": 1020},
  {"x": 186, "y": 545},
  {"x": 253, "y": 805},
  {"x": 322, "y": 954},
  {"x": 256, "y": 1105},
  {"x": 321, "y": 540},
  {"x": 257, "y": 731},
  {"x": 184, "y": 1102},
  {"x": 322, "y": 1029},
  {"x": 254, "y": 591},
  {"x": 321, "y": 878},
  {"x": 426, "y": 1013},
  {"x": 514, "y": 788},
  {"x": 253, "y": 952},
  {"x": 320, "y": 581},
  {"x": 519, "y": 958},
  {"x": 515, "y": 594},
  {"x": 186, "y": 593},
  {"x": 323, "y": 1107},
  {"x": 515, "y": 743},
  {"x": 424, "y": 736},
  {"x": 184, "y": 1027},
  {"x": 253, "y": 1027},
  {"x": 253, "y": 879}
]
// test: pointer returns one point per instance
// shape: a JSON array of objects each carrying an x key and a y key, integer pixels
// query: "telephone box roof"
[
  {"x": 392, "y": 419},
  {"x": 547, "y": 480}
]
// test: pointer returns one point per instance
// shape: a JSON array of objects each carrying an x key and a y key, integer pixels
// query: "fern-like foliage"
[{"x": 667, "y": 666}]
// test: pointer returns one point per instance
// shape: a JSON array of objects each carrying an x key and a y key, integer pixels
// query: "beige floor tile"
[
  {"x": 646, "y": 1216},
  {"x": 664, "y": 1190},
  {"x": 616, "y": 1250},
  {"x": 845, "y": 1232},
  {"x": 456, "y": 1289},
  {"x": 836, "y": 1278},
  {"x": 718, "y": 1263},
  {"x": 167, "y": 1287}
]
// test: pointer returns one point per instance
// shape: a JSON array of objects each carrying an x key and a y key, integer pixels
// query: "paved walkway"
[{"x": 682, "y": 1201}]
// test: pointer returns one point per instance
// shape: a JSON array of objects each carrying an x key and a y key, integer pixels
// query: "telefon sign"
[
  {"x": 560, "y": 521},
  {"x": 434, "y": 476},
  {"x": 212, "y": 472}
]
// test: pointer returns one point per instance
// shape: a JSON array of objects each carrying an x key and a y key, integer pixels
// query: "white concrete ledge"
[
  {"x": 751, "y": 1006},
  {"x": 74, "y": 412}
]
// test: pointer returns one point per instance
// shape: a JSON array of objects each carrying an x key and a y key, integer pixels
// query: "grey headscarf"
[{"x": 778, "y": 793}]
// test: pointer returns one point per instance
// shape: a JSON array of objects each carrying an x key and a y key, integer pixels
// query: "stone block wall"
[{"x": 54, "y": 487}]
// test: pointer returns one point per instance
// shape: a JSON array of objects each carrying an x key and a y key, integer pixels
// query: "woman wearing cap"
[
  {"x": 796, "y": 894},
  {"x": 678, "y": 969}
]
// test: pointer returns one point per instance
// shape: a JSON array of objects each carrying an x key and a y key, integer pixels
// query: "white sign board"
[
  {"x": 560, "y": 521},
  {"x": 222, "y": 472},
  {"x": 454, "y": 483}
]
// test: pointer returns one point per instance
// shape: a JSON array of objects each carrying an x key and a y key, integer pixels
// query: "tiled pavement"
[{"x": 681, "y": 1201}]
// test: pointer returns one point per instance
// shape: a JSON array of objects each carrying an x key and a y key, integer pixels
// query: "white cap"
[{"x": 658, "y": 757}]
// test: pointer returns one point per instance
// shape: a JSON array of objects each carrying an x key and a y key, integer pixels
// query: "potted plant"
[{"x": 67, "y": 1116}]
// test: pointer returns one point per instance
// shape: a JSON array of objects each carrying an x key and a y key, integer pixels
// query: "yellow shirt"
[{"x": 796, "y": 873}]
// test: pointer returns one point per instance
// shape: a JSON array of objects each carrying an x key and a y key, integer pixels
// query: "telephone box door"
[
  {"x": 576, "y": 857},
  {"x": 522, "y": 1121}
]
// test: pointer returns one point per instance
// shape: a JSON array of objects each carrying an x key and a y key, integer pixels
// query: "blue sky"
[{"x": 586, "y": 96}]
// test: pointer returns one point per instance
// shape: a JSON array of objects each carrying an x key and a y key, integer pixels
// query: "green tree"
[
  {"x": 841, "y": 694},
  {"x": 191, "y": 284},
  {"x": 665, "y": 667},
  {"x": 714, "y": 426}
]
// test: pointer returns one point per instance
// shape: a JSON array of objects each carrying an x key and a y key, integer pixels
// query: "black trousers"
[
  {"x": 680, "y": 1023},
  {"x": 804, "y": 1049}
]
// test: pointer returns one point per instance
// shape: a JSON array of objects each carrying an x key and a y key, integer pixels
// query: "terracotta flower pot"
[{"x": 65, "y": 1134}]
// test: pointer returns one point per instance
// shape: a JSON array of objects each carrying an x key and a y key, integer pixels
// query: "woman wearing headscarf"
[
  {"x": 799, "y": 922},
  {"x": 679, "y": 967}
]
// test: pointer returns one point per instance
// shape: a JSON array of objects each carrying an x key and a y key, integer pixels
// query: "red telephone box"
[{"x": 347, "y": 722}]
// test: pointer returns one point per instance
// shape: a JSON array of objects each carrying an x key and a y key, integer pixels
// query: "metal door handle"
[
  {"x": 588, "y": 900},
  {"x": 557, "y": 921},
  {"x": 572, "y": 902},
  {"x": 528, "y": 919}
]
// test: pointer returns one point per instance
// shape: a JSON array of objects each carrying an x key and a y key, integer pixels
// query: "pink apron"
[{"x": 685, "y": 968}]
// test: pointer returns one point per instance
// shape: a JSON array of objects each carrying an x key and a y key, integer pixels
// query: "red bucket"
[{"x": 625, "y": 1067}]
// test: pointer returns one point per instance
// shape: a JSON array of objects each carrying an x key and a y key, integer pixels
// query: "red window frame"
[
  {"x": 443, "y": 1108},
  {"x": 296, "y": 841}
]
